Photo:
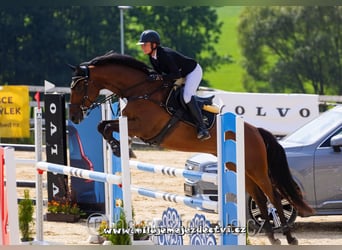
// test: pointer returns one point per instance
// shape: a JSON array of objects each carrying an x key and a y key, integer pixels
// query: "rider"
[{"x": 172, "y": 65}]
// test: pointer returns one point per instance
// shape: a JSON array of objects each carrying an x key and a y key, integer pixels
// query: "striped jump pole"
[
  {"x": 188, "y": 201},
  {"x": 78, "y": 172},
  {"x": 176, "y": 172}
]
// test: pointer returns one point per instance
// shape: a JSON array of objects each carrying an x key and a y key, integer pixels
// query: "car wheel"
[{"x": 254, "y": 215}]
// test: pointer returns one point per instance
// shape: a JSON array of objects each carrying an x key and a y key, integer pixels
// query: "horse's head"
[
  {"x": 83, "y": 93},
  {"x": 123, "y": 75}
]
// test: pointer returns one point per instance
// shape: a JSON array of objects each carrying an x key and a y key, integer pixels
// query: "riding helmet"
[{"x": 149, "y": 36}]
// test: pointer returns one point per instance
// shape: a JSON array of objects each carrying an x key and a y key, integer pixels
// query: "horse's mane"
[{"x": 116, "y": 58}]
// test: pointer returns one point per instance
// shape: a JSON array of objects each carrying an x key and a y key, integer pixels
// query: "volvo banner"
[
  {"x": 56, "y": 149},
  {"x": 278, "y": 113}
]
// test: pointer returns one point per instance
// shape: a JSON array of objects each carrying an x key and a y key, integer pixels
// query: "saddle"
[
  {"x": 175, "y": 103},
  {"x": 176, "y": 107}
]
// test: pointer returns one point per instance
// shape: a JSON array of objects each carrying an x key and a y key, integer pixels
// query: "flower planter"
[
  {"x": 62, "y": 217},
  {"x": 27, "y": 241}
]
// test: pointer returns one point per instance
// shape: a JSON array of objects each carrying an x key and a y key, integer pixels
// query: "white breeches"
[{"x": 192, "y": 81}]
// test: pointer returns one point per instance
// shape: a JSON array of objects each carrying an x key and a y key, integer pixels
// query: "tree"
[
  {"x": 297, "y": 49},
  {"x": 40, "y": 41}
]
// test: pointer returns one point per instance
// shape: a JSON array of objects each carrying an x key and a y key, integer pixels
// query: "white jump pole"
[
  {"x": 39, "y": 182},
  {"x": 125, "y": 171},
  {"x": 12, "y": 205},
  {"x": 240, "y": 176},
  {"x": 107, "y": 161}
]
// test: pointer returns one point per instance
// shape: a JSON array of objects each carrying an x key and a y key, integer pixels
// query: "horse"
[{"x": 267, "y": 174}]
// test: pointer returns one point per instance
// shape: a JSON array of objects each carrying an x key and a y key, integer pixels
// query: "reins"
[
  {"x": 147, "y": 96},
  {"x": 123, "y": 93}
]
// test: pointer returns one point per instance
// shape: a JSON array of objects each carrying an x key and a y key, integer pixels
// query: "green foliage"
[
  {"x": 120, "y": 237},
  {"x": 295, "y": 49},
  {"x": 26, "y": 210},
  {"x": 228, "y": 76},
  {"x": 255, "y": 49},
  {"x": 40, "y": 41}
]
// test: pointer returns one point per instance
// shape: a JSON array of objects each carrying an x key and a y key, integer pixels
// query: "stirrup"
[{"x": 203, "y": 135}]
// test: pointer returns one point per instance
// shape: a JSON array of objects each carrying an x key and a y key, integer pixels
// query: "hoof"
[
  {"x": 116, "y": 150},
  {"x": 115, "y": 146},
  {"x": 275, "y": 242},
  {"x": 293, "y": 241},
  {"x": 116, "y": 153},
  {"x": 131, "y": 154}
]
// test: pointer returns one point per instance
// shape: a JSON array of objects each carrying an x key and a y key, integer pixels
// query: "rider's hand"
[{"x": 155, "y": 77}]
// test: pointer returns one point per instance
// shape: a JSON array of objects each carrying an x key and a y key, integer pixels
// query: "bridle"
[
  {"x": 84, "y": 76},
  {"x": 75, "y": 80}
]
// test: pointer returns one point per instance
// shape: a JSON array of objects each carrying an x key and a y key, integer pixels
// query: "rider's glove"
[{"x": 155, "y": 77}]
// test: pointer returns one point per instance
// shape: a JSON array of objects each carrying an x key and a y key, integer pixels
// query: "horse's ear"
[{"x": 71, "y": 66}]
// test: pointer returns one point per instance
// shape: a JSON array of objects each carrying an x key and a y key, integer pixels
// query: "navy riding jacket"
[{"x": 172, "y": 64}]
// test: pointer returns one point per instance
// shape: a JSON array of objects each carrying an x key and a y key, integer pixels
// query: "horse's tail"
[{"x": 280, "y": 174}]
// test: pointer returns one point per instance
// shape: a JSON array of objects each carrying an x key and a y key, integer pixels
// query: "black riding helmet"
[{"x": 151, "y": 36}]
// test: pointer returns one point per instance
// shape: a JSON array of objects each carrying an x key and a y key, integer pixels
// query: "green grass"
[{"x": 228, "y": 77}]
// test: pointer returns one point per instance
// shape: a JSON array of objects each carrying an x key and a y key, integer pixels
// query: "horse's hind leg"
[
  {"x": 261, "y": 200},
  {"x": 276, "y": 201}
]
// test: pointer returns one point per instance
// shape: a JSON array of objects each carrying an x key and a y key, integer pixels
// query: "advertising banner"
[
  {"x": 56, "y": 147},
  {"x": 14, "y": 112},
  {"x": 278, "y": 113}
]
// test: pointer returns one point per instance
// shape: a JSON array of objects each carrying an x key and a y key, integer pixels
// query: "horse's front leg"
[{"x": 106, "y": 128}]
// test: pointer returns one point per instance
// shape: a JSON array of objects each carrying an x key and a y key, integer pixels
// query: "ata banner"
[
  {"x": 56, "y": 146},
  {"x": 14, "y": 112}
]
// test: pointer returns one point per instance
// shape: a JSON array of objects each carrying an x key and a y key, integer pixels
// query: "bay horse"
[{"x": 266, "y": 168}]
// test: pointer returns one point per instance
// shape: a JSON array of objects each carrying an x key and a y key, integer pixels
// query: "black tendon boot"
[{"x": 202, "y": 131}]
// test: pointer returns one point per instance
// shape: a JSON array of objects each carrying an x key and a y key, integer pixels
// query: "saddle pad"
[{"x": 173, "y": 103}]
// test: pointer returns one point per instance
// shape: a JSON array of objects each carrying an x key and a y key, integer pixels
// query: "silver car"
[{"x": 315, "y": 159}]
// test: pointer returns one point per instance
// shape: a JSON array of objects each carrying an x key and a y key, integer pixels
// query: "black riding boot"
[{"x": 202, "y": 131}]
